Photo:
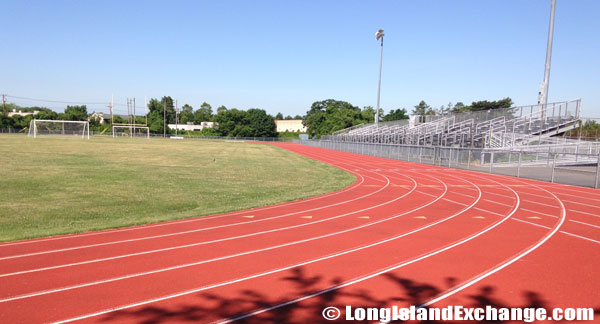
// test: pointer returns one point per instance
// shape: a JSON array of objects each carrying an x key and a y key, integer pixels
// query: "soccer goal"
[
  {"x": 59, "y": 127},
  {"x": 130, "y": 131}
]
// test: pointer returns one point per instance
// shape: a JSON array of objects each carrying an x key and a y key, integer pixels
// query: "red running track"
[{"x": 402, "y": 234}]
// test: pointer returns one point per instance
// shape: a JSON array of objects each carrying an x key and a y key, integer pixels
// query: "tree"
[
  {"x": 239, "y": 123},
  {"x": 327, "y": 116},
  {"x": 221, "y": 108},
  {"x": 230, "y": 122},
  {"x": 78, "y": 113},
  {"x": 6, "y": 122},
  {"x": 368, "y": 114},
  {"x": 260, "y": 123},
  {"x": 487, "y": 105},
  {"x": 155, "y": 122},
  {"x": 279, "y": 116},
  {"x": 203, "y": 114},
  {"x": 46, "y": 114},
  {"x": 423, "y": 109},
  {"x": 459, "y": 107},
  {"x": 187, "y": 114},
  {"x": 397, "y": 114},
  {"x": 156, "y": 111}
]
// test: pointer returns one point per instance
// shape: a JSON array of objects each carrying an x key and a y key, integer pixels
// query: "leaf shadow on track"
[{"x": 213, "y": 307}]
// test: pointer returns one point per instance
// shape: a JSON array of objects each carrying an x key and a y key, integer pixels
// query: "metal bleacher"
[{"x": 489, "y": 129}]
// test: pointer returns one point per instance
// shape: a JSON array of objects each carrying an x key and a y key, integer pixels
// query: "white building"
[
  {"x": 21, "y": 113},
  {"x": 191, "y": 127},
  {"x": 292, "y": 125}
]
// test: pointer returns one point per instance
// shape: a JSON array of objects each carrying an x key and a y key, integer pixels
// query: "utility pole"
[
  {"x": 176, "y": 118},
  {"x": 129, "y": 117},
  {"x": 164, "y": 118},
  {"x": 110, "y": 107},
  {"x": 543, "y": 95},
  {"x": 4, "y": 103}
]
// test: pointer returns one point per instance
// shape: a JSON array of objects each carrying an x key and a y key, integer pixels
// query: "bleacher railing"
[{"x": 505, "y": 127}]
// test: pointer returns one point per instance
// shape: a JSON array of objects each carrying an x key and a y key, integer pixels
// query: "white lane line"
[
  {"x": 536, "y": 195},
  {"x": 189, "y": 231},
  {"x": 496, "y": 202},
  {"x": 498, "y": 194},
  {"x": 582, "y": 212},
  {"x": 583, "y": 223},
  {"x": 531, "y": 223},
  {"x": 372, "y": 178},
  {"x": 207, "y": 242},
  {"x": 563, "y": 232},
  {"x": 425, "y": 193},
  {"x": 488, "y": 211},
  {"x": 456, "y": 202},
  {"x": 570, "y": 220},
  {"x": 581, "y": 237},
  {"x": 278, "y": 270},
  {"x": 570, "y": 188},
  {"x": 462, "y": 194},
  {"x": 196, "y": 219},
  {"x": 537, "y": 212},
  {"x": 539, "y": 203},
  {"x": 486, "y": 274},
  {"x": 578, "y": 196},
  {"x": 597, "y": 206},
  {"x": 372, "y": 275}
]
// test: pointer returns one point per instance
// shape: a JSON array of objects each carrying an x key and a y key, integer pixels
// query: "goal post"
[
  {"x": 130, "y": 131},
  {"x": 59, "y": 127}
]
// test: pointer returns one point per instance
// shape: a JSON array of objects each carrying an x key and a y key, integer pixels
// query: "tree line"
[{"x": 323, "y": 118}]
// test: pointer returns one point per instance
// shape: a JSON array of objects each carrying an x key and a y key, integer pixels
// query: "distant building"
[
  {"x": 191, "y": 127},
  {"x": 292, "y": 125},
  {"x": 97, "y": 116},
  {"x": 21, "y": 113}
]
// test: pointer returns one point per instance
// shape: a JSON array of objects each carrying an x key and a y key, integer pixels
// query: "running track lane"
[{"x": 468, "y": 230}]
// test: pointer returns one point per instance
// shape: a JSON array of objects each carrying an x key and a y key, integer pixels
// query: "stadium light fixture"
[{"x": 379, "y": 35}]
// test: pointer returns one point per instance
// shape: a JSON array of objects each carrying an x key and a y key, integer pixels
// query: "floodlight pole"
[
  {"x": 378, "y": 35},
  {"x": 176, "y": 119},
  {"x": 544, "y": 95}
]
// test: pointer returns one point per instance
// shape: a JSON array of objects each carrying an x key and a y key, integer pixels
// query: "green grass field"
[{"x": 58, "y": 185}]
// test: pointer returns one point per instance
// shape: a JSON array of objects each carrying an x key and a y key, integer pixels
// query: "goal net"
[
  {"x": 59, "y": 127},
  {"x": 130, "y": 131}
]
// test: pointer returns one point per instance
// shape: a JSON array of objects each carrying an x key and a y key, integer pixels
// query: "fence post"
[
  {"x": 491, "y": 160},
  {"x": 519, "y": 166},
  {"x": 421, "y": 154},
  {"x": 553, "y": 165},
  {"x": 469, "y": 160},
  {"x": 597, "y": 171}
]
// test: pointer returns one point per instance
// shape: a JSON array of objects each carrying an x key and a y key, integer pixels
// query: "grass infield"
[{"x": 59, "y": 185}]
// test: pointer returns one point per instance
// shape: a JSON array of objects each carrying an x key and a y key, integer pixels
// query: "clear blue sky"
[{"x": 283, "y": 55}]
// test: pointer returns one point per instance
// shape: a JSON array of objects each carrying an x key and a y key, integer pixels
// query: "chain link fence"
[
  {"x": 579, "y": 169},
  {"x": 23, "y": 131}
]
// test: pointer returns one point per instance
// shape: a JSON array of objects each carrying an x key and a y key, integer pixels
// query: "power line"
[{"x": 56, "y": 101}]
